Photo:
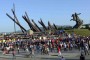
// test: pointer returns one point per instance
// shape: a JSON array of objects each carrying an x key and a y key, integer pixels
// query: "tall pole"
[{"x": 14, "y": 18}]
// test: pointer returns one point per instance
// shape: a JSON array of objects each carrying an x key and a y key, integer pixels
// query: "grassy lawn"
[{"x": 82, "y": 32}]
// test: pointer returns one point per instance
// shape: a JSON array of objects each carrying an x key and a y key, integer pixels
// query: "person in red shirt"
[{"x": 59, "y": 50}]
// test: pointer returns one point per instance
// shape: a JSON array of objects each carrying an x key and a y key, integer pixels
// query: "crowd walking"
[{"x": 45, "y": 46}]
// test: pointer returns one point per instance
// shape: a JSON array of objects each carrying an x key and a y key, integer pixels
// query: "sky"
[{"x": 55, "y": 11}]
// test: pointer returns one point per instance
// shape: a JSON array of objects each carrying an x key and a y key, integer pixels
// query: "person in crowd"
[
  {"x": 62, "y": 58},
  {"x": 82, "y": 57},
  {"x": 86, "y": 48},
  {"x": 59, "y": 50},
  {"x": 18, "y": 49}
]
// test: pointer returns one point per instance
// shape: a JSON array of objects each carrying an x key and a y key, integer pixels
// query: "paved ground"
[{"x": 69, "y": 55}]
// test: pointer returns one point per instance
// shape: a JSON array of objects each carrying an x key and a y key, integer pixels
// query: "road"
[{"x": 69, "y": 55}]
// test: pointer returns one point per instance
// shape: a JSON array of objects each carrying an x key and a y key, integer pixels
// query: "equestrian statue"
[{"x": 78, "y": 21}]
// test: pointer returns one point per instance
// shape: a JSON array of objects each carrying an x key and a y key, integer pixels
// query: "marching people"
[
  {"x": 65, "y": 47},
  {"x": 13, "y": 52},
  {"x": 46, "y": 47},
  {"x": 86, "y": 48},
  {"x": 47, "y": 50},
  {"x": 18, "y": 49},
  {"x": 59, "y": 50}
]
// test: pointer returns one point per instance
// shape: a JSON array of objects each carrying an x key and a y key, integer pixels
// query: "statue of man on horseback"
[{"x": 78, "y": 21}]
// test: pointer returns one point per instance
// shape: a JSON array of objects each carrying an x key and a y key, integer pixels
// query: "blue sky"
[{"x": 55, "y": 11}]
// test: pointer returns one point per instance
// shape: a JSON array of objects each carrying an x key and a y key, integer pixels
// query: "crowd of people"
[{"x": 65, "y": 42}]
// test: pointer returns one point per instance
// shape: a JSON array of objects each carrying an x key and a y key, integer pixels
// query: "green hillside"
[{"x": 82, "y": 32}]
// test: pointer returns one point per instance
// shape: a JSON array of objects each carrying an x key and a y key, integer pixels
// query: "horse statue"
[{"x": 78, "y": 21}]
